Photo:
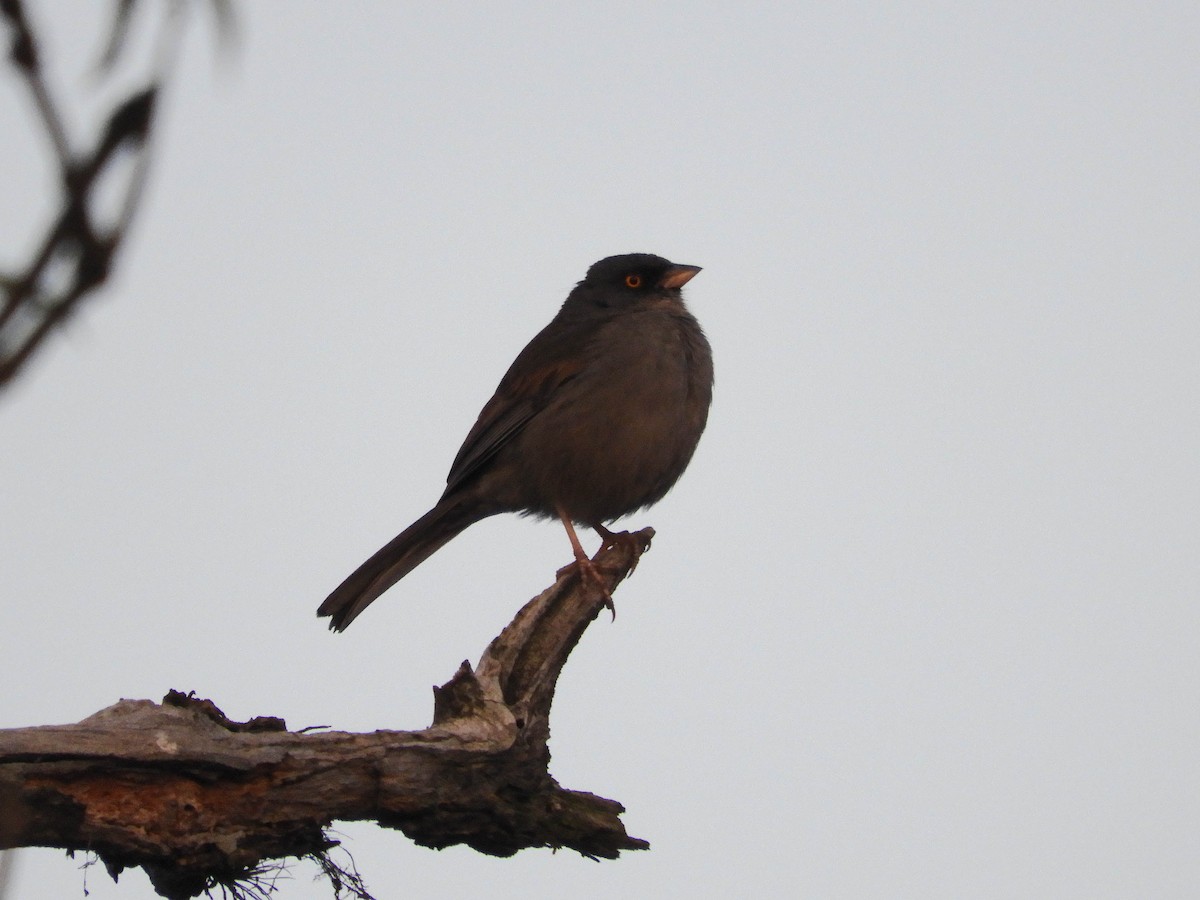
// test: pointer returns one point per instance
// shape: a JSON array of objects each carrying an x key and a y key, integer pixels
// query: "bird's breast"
[{"x": 617, "y": 436}]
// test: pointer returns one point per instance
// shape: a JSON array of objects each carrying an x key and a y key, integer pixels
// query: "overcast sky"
[{"x": 921, "y": 620}]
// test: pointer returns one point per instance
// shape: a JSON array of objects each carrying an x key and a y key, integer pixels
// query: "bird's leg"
[{"x": 587, "y": 569}]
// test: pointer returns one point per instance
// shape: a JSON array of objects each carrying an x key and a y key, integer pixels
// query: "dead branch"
[{"x": 199, "y": 801}]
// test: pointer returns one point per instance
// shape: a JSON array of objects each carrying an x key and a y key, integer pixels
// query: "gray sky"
[{"x": 921, "y": 619}]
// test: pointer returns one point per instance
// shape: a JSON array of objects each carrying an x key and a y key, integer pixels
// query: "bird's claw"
[
  {"x": 636, "y": 543},
  {"x": 589, "y": 571}
]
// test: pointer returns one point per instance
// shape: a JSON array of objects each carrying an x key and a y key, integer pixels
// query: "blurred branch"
[
  {"x": 76, "y": 255},
  {"x": 201, "y": 802}
]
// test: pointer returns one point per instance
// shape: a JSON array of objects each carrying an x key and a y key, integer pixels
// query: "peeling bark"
[{"x": 200, "y": 801}]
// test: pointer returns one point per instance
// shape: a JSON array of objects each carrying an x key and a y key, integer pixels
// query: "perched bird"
[{"x": 597, "y": 418}]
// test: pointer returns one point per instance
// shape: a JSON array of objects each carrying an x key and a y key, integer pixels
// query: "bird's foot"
[
  {"x": 636, "y": 543},
  {"x": 588, "y": 571}
]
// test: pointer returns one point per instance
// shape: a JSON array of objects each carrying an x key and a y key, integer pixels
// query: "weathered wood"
[{"x": 198, "y": 800}]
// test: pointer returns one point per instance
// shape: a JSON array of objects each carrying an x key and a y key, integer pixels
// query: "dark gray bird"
[{"x": 597, "y": 418}]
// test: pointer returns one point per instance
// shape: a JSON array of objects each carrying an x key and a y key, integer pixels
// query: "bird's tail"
[{"x": 398, "y": 557}]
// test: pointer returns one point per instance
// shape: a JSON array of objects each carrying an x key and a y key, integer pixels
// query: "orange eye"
[{"x": 633, "y": 281}]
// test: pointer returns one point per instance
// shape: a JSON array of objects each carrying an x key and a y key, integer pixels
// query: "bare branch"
[
  {"x": 200, "y": 801},
  {"x": 76, "y": 255}
]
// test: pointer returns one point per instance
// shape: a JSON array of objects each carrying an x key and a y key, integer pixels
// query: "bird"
[{"x": 597, "y": 418}]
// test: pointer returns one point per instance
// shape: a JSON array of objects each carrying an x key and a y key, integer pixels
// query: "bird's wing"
[{"x": 550, "y": 360}]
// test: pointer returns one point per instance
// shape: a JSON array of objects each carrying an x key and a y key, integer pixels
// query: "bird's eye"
[{"x": 633, "y": 281}]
